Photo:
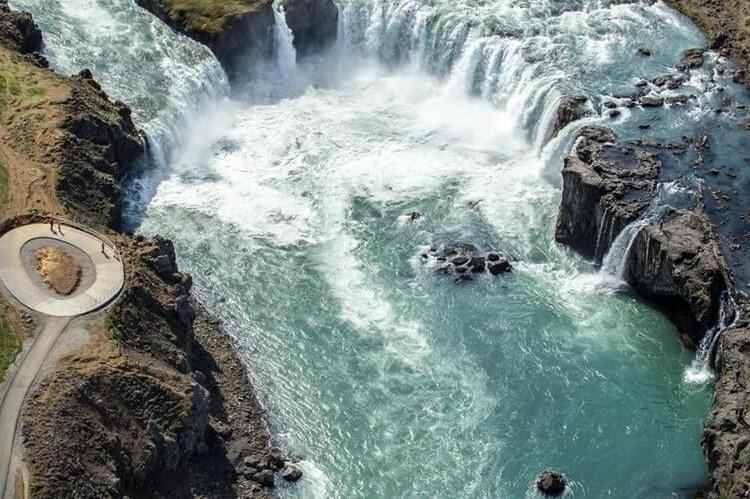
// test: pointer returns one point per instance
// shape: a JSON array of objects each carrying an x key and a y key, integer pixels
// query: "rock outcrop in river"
[{"x": 675, "y": 260}]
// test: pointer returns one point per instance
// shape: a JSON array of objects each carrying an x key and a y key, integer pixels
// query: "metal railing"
[{"x": 88, "y": 230}]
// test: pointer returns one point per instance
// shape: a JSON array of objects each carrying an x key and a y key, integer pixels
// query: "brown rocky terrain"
[
  {"x": 158, "y": 404},
  {"x": 725, "y": 22},
  {"x": 58, "y": 269},
  {"x": 64, "y": 144}
]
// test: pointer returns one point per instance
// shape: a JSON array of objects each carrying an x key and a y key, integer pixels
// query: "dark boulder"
[
  {"x": 460, "y": 260},
  {"x": 569, "y": 110},
  {"x": 477, "y": 264},
  {"x": 265, "y": 478},
  {"x": 499, "y": 266},
  {"x": 693, "y": 58},
  {"x": 719, "y": 40},
  {"x": 314, "y": 24},
  {"x": 551, "y": 483},
  {"x": 651, "y": 101},
  {"x": 644, "y": 52}
]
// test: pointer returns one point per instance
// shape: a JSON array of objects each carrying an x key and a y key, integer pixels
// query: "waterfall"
[
  {"x": 700, "y": 370},
  {"x": 675, "y": 194},
  {"x": 505, "y": 69},
  {"x": 285, "y": 53}
]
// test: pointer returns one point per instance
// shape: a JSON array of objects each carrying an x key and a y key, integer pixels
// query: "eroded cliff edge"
[
  {"x": 157, "y": 404},
  {"x": 242, "y": 33}
]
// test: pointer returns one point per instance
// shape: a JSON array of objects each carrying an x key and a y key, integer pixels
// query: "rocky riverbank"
[
  {"x": 675, "y": 248},
  {"x": 158, "y": 404},
  {"x": 725, "y": 22}
]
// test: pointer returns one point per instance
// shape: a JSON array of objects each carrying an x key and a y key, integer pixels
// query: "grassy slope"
[
  {"x": 208, "y": 15},
  {"x": 10, "y": 342},
  {"x": 23, "y": 184}
]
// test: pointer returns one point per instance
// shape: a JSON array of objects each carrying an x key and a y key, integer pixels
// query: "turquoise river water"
[{"x": 286, "y": 201}]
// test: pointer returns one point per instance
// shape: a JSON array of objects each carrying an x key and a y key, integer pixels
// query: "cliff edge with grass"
[{"x": 157, "y": 403}]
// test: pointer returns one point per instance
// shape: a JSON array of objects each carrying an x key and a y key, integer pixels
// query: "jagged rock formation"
[
  {"x": 605, "y": 187},
  {"x": 726, "y": 434},
  {"x": 314, "y": 24},
  {"x": 674, "y": 260},
  {"x": 18, "y": 31},
  {"x": 99, "y": 145},
  {"x": 65, "y": 127},
  {"x": 677, "y": 264}
]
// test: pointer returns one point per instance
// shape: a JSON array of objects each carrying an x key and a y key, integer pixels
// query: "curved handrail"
[{"x": 88, "y": 230}]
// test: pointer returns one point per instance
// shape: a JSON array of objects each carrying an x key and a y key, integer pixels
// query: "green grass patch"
[
  {"x": 18, "y": 84},
  {"x": 9, "y": 344},
  {"x": 209, "y": 15}
]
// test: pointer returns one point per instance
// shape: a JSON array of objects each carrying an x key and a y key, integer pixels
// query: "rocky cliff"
[
  {"x": 63, "y": 140},
  {"x": 147, "y": 409},
  {"x": 239, "y": 32},
  {"x": 726, "y": 434},
  {"x": 676, "y": 263},
  {"x": 606, "y": 185},
  {"x": 242, "y": 32},
  {"x": 314, "y": 24},
  {"x": 157, "y": 404}
]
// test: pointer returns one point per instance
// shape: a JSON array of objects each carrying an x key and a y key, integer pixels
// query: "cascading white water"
[
  {"x": 177, "y": 81},
  {"x": 668, "y": 194},
  {"x": 285, "y": 53},
  {"x": 701, "y": 371}
]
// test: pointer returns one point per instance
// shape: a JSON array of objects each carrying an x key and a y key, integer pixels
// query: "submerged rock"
[
  {"x": 464, "y": 259},
  {"x": 551, "y": 483}
]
